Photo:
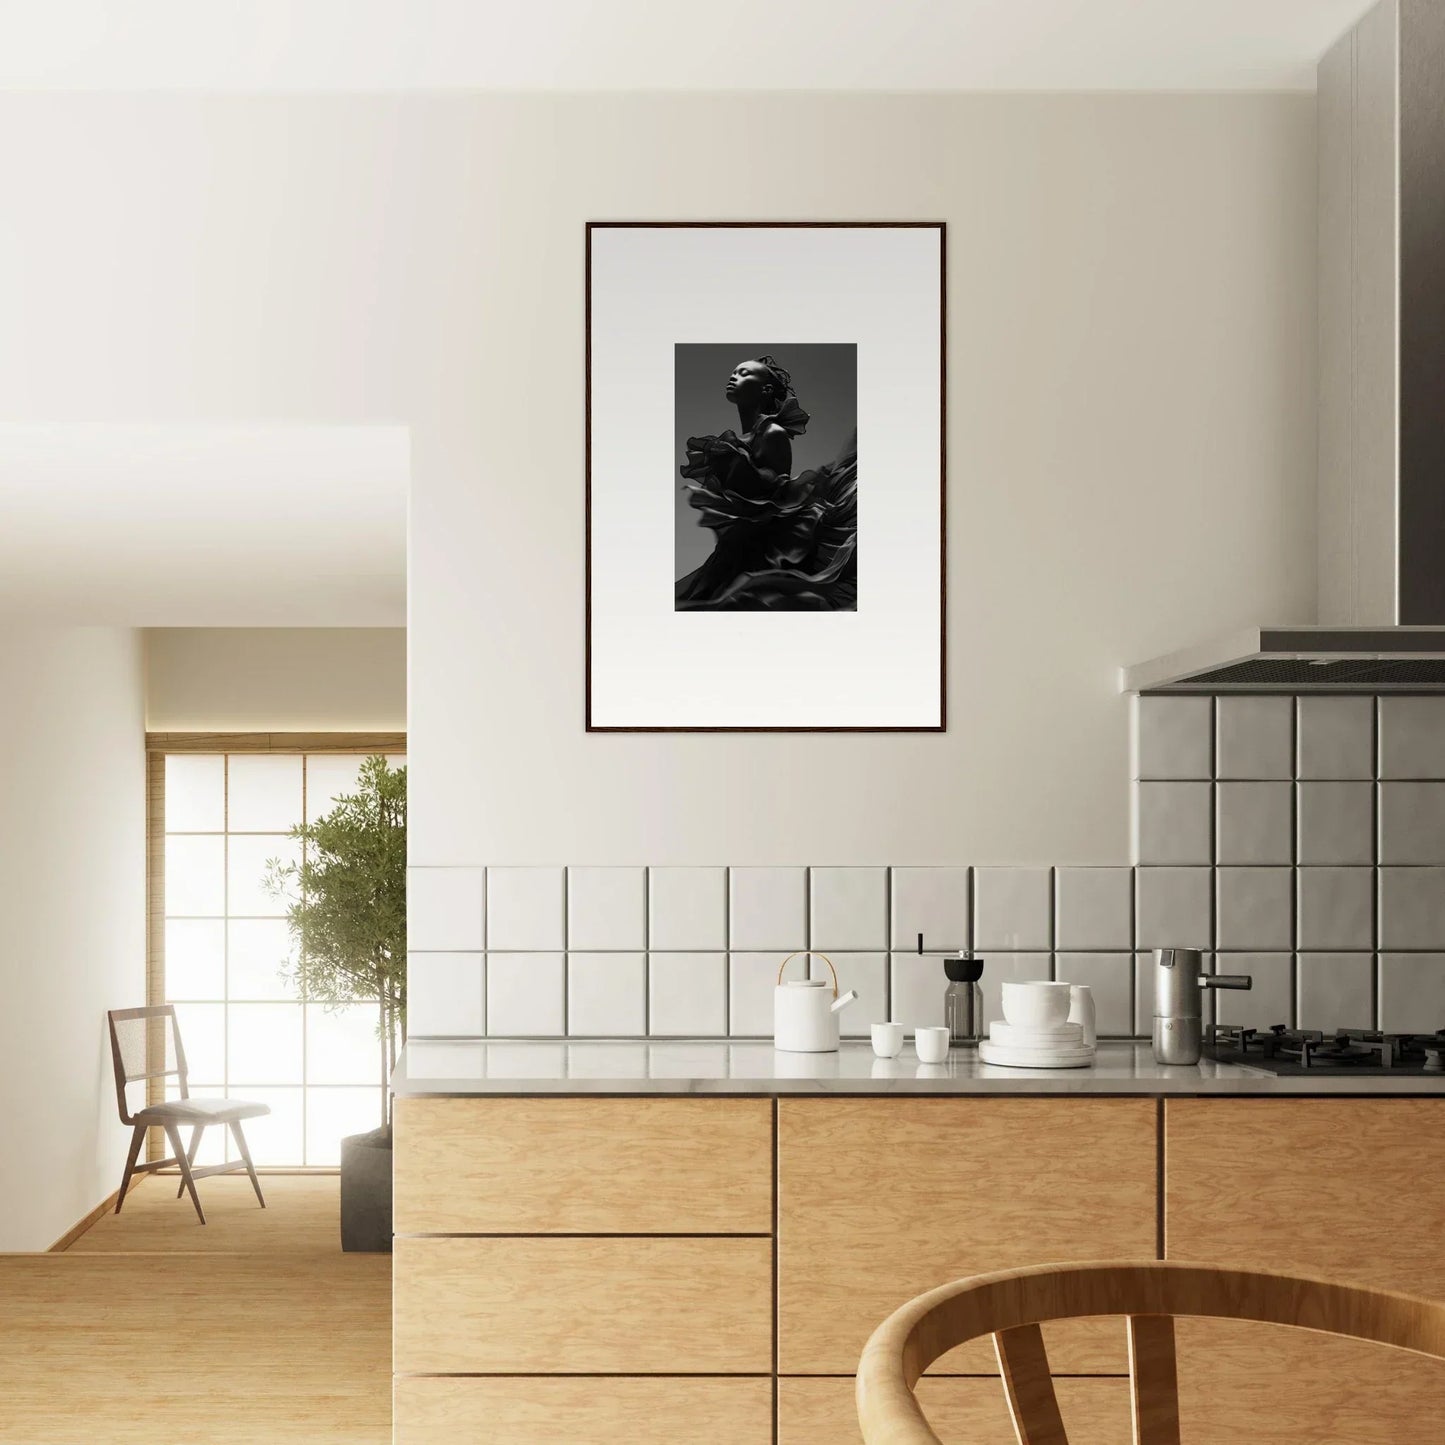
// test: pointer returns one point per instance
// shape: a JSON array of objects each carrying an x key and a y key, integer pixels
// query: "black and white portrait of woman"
[{"x": 767, "y": 509}]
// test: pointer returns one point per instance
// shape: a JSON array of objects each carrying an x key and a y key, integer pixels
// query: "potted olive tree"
[{"x": 346, "y": 908}]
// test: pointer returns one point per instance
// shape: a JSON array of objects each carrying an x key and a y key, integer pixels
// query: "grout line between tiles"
[
  {"x": 1377, "y": 973},
  {"x": 1294, "y": 979}
]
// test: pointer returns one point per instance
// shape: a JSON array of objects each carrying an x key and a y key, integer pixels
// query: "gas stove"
[{"x": 1283, "y": 1051}]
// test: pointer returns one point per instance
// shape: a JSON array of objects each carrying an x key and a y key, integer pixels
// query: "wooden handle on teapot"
[{"x": 810, "y": 953}]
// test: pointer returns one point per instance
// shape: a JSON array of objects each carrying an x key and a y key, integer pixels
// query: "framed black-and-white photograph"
[{"x": 765, "y": 477}]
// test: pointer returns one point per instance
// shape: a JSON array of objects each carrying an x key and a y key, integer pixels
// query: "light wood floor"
[{"x": 252, "y": 1330}]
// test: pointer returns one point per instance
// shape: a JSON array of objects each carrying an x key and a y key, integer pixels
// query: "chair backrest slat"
[
  {"x": 145, "y": 1043},
  {"x": 1024, "y": 1364},
  {"x": 1153, "y": 1380}
]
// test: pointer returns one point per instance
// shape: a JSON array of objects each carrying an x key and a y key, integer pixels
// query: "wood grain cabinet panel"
[
  {"x": 1345, "y": 1188},
  {"x": 881, "y": 1199},
  {"x": 532, "y": 1411},
  {"x": 1342, "y": 1188},
  {"x": 579, "y": 1306},
  {"x": 583, "y": 1166},
  {"x": 970, "y": 1411}
]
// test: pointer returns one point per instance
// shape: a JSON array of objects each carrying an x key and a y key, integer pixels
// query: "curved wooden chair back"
[{"x": 1011, "y": 1305}]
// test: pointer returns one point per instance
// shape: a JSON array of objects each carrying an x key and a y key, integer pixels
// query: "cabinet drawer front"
[
  {"x": 1342, "y": 1188},
  {"x": 539, "y": 1411},
  {"x": 1275, "y": 1386},
  {"x": 583, "y": 1166},
  {"x": 822, "y": 1411},
  {"x": 882, "y": 1199},
  {"x": 577, "y": 1306}
]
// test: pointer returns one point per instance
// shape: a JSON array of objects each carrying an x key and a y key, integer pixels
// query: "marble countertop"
[{"x": 721, "y": 1066}]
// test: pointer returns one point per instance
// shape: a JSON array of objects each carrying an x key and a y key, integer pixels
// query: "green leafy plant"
[{"x": 346, "y": 902}]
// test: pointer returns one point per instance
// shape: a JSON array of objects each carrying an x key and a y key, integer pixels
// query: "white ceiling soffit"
[
  {"x": 163, "y": 526},
  {"x": 368, "y": 45}
]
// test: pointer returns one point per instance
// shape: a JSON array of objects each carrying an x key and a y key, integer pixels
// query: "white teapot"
[{"x": 805, "y": 1011}]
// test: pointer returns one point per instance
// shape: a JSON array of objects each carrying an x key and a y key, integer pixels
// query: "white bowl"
[{"x": 1036, "y": 1005}]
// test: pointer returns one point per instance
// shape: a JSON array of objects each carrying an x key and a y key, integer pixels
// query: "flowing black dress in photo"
[{"x": 785, "y": 544}]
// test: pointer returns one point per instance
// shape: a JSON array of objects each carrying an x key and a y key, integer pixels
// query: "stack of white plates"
[{"x": 1049, "y": 1046}]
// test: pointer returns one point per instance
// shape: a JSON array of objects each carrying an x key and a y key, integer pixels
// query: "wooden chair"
[
  {"x": 145, "y": 1043},
  {"x": 1010, "y": 1306}
]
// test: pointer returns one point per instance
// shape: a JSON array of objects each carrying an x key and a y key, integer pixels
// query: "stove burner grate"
[{"x": 1339, "y": 1049}]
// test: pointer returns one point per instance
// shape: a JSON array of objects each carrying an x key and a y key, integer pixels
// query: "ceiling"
[
  {"x": 349, "y": 45},
  {"x": 161, "y": 526}
]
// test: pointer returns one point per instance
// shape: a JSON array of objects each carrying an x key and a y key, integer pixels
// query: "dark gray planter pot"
[{"x": 366, "y": 1192}]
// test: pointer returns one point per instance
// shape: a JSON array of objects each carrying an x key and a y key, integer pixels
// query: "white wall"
[
  {"x": 72, "y": 894},
  {"x": 276, "y": 679},
  {"x": 1131, "y": 397}
]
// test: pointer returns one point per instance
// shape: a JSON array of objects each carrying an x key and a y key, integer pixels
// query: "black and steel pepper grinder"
[{"x": 963, "y": 999}]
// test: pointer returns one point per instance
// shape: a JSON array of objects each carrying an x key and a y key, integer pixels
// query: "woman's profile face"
[{"x": 749, "y": 384}]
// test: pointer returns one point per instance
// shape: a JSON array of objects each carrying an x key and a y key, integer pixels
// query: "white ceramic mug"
[
  {"x": 1081, "y": 1011},
  {"x": 888, "y": 1040},
  {"x": 931, "y": 1044}
]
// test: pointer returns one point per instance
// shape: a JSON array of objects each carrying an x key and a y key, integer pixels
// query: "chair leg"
[
  {"x": 173, "y": 1133},
  {"x": 137, "y": 1138},
  {"x": 196, "y": 1130},
  {"x": 246, "y": 1155}
]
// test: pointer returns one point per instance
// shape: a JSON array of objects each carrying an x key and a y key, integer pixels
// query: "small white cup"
[
  {"x": 931, "y": 1044},
  {"x": 887, "y": 1040}
]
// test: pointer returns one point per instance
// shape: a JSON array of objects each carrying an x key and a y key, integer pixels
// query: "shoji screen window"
[{"x": 229, "y": 959}]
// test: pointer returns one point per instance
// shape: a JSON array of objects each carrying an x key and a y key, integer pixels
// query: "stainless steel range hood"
[
  {"x": 1381, "y": 505},
  {"x": 1302, "y": 659}
]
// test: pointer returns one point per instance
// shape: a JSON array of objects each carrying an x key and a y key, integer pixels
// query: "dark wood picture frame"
[{"x": 942, "y": 228}]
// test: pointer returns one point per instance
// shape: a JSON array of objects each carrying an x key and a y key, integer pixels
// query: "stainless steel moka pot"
[{"x": 1179, "y": 984}]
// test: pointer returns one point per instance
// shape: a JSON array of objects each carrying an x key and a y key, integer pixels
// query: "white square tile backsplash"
[
  {"x": 446, "y": 994},
  {"x": 526, "y": 994},
  {"x": 1255, "y": 908},
  {"x": 848, "y": 908},
  {"x": 607, "y": 908},
  {"x": 1336, "y": 737},
  {"x": 768, "y": 908},
  {"x": 1173, "y": 737},
  {"x": 1012, "y": 908},
  {"x": 1314, "y": 826},
  {"x": 1412, "y": 737},
  {"x": 933, "y": 902},
  {"x": 526, "y": 909},
  {"x": 687, "y": 994},
  {"x": 607, "y": 994},
  {"x": 445, "y": 909},
  {"x": 1094, "y": 908},
  {"x": 1254, "y": 737},
  {"x": 1172, "y": 823},
  {"x": 687, "y": 908}
]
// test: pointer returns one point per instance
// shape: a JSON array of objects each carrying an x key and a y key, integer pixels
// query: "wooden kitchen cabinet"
[
  {"x": 880, "y": 1199},
  {"x": 655, "y": 1411},
  {"x": 584, "y": 1166},
  {"x": 583, "y": 1306},
  {"x": 968, "y": 1410},
  {"x": 626, "y": 1243},
  {"x": 1343, "y": 1188}
]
